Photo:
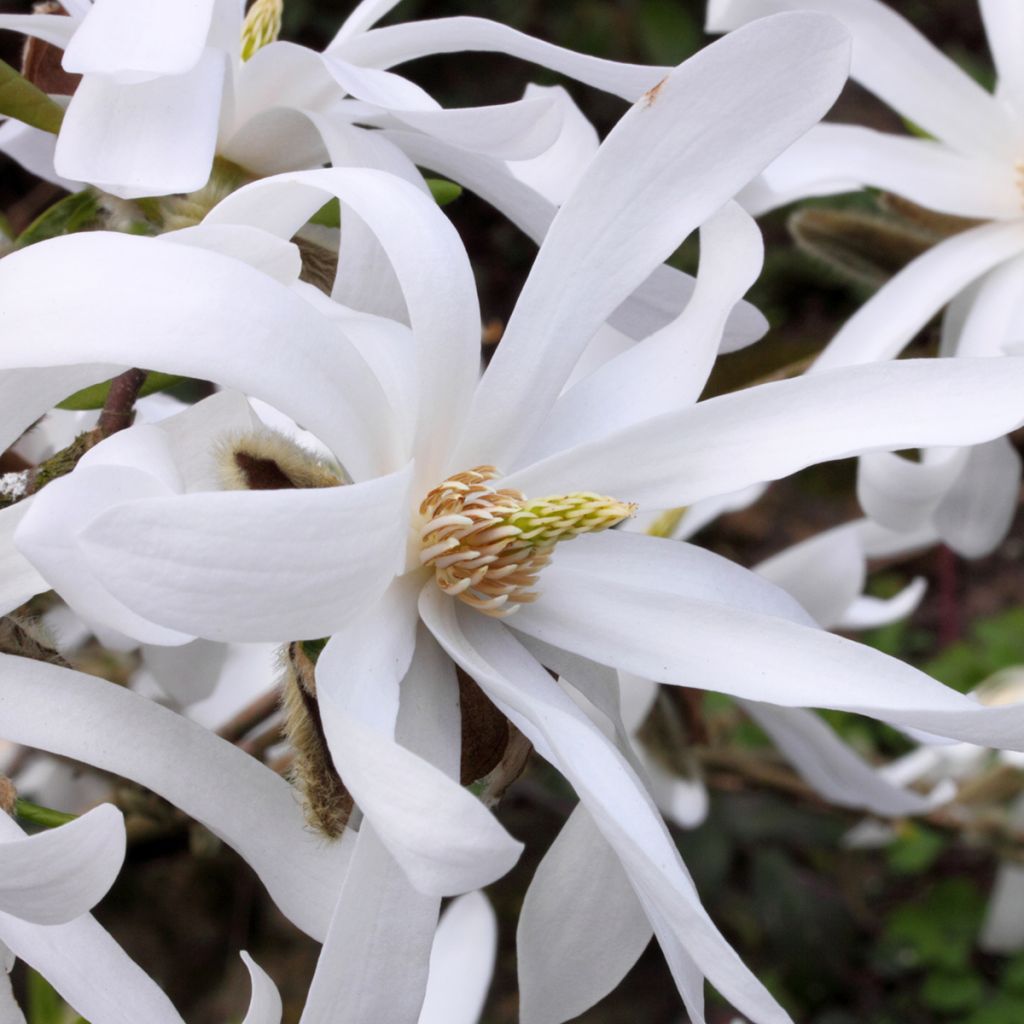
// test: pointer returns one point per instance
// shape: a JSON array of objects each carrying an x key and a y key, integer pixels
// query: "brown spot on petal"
[
  {"x": 651, "y": 95},
  {"x": 484, "y": 731}
]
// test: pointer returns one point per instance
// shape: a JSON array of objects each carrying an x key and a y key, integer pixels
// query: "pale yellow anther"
[
  {"x": 262, "y": 25},
  {"x": 488, "y": 546}
]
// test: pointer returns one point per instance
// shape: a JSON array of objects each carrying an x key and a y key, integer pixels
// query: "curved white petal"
[
  {"x": 612, "y": 794},
  {"x": 581, "y": 927},
  {"x": 396, "y": 44},
  {"x": 144, "y": 138},
  {"x": 188, "y": 674},
  {"x": 252, "y": 565},
  {"x": 664, "y": 169},
  {"x": 868, "y": 612},
  {"x": 768, "y": 431},
  {"x": 429, "y": 260},
  {"x": 33, "y": 149},
  {"x": 668, "y": 370},
  {"x": 825, "y": 573},
  {"x": 975, "y": 514},
  {"x": 19, "y": 578},
  {"x": 89, "y": 971},
  {"x": 834, "y": 158},
  {"x": 260, "y": 249},
  {"x": 441, "y": 835},
  {"x": 897, "y": 63},
  {"x": 834, "y": 769},
  {"x": 364, "y": 15},
  {"x": 51, "y": 28},
  {"x": 904, "y": 304},
  {"x": 55, "y": 876},
  {"x": 461, "y": 962},
  {"x": 373, "y": 966},
  {"x": 1002, "y": 931},
  {"x": 126, "y": 296},
  {"x": 902, "y": 495},
  {"x": 10, "y": 1011},
  {"x": 689, "y": 642},
  {"x": 265, "y": 1004},
  {"x": 160, "y": 37},
  {"x": 242, "y": 801},
  {"x": 991, "y": 313}
]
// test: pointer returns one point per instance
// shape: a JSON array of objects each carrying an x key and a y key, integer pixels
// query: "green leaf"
[
  {"x": 668, "y": 32},
  {"x": 45, "y": 816},
  {"x": 43, "y": 1004},
  {"x": 915, "y": 849},
  {"x": 952, "y": 993},
  {"x": 328, "y": 216},
  {"x": 444, "y": 192},
  {"x": 72, "y": 213},
  {"x": 95, "y": 395},
  {"x": 1013, "y": 975},
  {"x": 23, "y": 101},
  {"x": 937, "y": 931}
]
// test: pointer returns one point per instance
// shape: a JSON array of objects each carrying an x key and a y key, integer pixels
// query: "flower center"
[{"x": 488, "y": 546}]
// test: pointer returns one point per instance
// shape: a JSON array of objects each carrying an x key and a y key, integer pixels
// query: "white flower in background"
[
  {"x": 970, "y": 166},
  {"x": 399, "y": 410}
]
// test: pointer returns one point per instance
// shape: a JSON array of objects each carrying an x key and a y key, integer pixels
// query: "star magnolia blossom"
[
  {"x": 971, "y": 167},
  {"x": 402, "y": 410}
]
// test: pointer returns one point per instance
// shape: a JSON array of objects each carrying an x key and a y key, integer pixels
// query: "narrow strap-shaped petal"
[
  {"x": 33, "y": 149},
  {"x": 461, "y": 962},
  {"x": 144, "y": 138},
  {"x": 51, "y": 28},
  {"x": 19, "y": 578},
  {"x": 902, "y": 495},
  {"x": 668, "y": 370},
  {"x": 364, "y": 16},
  {"x": 439, "y": 833},
  {"x": 396, "y": 44},
  {"x": 836, "y": 770},
  {"x": 242, "y": 801},
  {"x": 265, "y": 1003},
  {"x": 581, "y": 927},
  {"x": 868, "y": 612},
  {"x": 904, "y": 304},
  {"x": 768, "y": 431},
  {"x": 663, "y": 170},
  {"x": 1004, "y": 27},
  {"x": 89, "y": 970},
  {"x": 58, "y": 875},
  {"x": 252, "y": 566},
  {"x": 992, "y": 317},
  {"x": 688, "y": 642},
  {"x": 897, "y": 63},
  {"x": 834, "y": 158},
  {"x": 431, "y": 265},
  {"x": 134, "y": 300},
  {"x": 613, "y": 795}
]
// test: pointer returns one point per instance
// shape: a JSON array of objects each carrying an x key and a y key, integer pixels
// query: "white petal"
[
  {"x": 33, "y": 149},
  {"x": 10, "y": 1012},
  {"x": 364, "y": 15},
  {"x": 613, "y": 795},
  {"x": 431, "y": 264},
  {"x": 265, "y": 1005},
  {"x": 581, "y": 927},
  {"x": 187, "y": 674},
  {"x": 990, "y": 315},
  {"x": 834, "y": 769},
  {"x": 461, "y": 962},
  {"x": 396, "y": 44},
  {"x": 89, "y": 970},
  {"x": 768, "y": 431},
  {"x": 902, "y": 495},
  {"x": 164, "y": 37},
  {"x": 51, "y": 28},
  {"x": 904, "y": 304},
  {"x": 252, "y": 565},
  {"x": 868, "y": 612},
  {"x": 894, "y": 61},
  {"x": 144, "y": 138},
  {"x": 834, "y": 158},
  {"x": 652, "y": 305},
  {"x": 373, "y": 966},
  {"x": 125, "y": 296},
  {"x": 680, "y": 640},
  {"x": 19, "y": 579},
  {"x": 663, "y": 170},
  {"x": 236, "y": 797},
  {"x": 57, "y": 875},
  {"x": 668, "y": 370},
  {"x": 1004, "y": 26},
  {"x": 975, "y": 514},
  {"x": 439, "y": 833},
  {"x": 1003, "y": 928},
  {"x": 260, "y": 249}
]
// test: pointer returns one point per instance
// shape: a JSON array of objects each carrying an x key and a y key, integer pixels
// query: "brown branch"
[
  {"x": 250, "y": 717},
  {"x": 119, "y": 408}
]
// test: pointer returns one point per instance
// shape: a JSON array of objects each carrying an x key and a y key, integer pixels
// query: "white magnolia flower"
[
  {"x": 970, "y": 167},
  {"x": 402, "y": 411}
]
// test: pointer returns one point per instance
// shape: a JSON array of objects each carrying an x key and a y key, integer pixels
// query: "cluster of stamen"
[{"x": 487, "y": 546}]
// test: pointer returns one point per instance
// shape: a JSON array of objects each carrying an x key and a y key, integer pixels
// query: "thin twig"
[
  {"x": 250, "y": 717},
  {"x": 119, "y": 408}
]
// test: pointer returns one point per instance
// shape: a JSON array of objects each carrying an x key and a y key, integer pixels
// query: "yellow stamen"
[
  {"x": 262, "y": 25},
  {"x": 488, "y": 546}
]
